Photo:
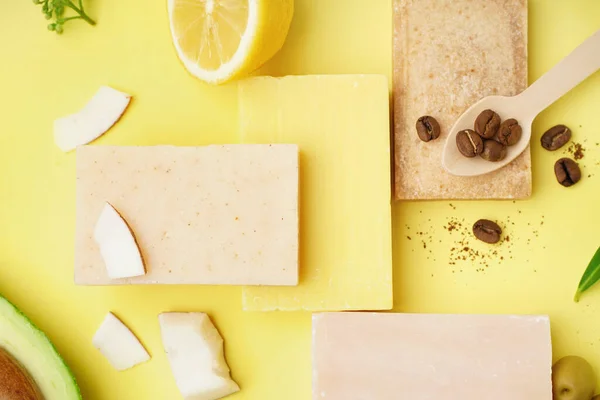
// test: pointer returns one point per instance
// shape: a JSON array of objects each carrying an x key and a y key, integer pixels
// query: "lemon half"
[{"x": 221, "y": 40}]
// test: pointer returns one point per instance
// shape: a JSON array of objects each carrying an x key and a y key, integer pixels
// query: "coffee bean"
[
  {"x": 487, "y": 231},
  {"x": 556, "y": 137},
  {"x": 469, "y": 143},
  {"x": 428, "y": 128},
  {"x": 487, "y": 124},
  {"x": 509, "y": 132},
  {"x": 493, "y": 151},
  {"x": 567, "y": 172}
]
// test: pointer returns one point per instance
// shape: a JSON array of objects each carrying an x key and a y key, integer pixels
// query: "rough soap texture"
[
  {"x": 388, "y": 356},
  {"x": 200, "y": 215},
  {"x": 448, "y": 54}
]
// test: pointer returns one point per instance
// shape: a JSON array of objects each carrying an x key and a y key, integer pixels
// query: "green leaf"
[{"x": 590, "y": 276}]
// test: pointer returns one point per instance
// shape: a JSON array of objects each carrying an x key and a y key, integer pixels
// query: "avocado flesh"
[{"x": 36, "y": 354}]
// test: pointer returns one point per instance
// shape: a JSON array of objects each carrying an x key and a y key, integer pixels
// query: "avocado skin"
[{"x": 20, "y": 322}]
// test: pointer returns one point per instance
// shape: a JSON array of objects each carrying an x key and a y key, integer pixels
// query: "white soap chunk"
[
  {"x": 194, "y": 348},
  {"x": 117, "y": 245},
  {"x": 97, "y": 117},
  {"x": 118, "y": 344}
]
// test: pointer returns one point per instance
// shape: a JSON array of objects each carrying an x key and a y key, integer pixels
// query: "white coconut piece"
[
  {"x": 118, "y": 344},
  {"x": 117, "y": 245},
  {"x": 194, "y": 348},
  {"x": 97, "y": 117}
]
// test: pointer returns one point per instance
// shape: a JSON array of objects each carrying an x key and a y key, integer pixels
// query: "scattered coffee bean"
[
  {"x": 509, "y": 132},
  {"x": 487, "y": 231},
  {"x": 556, "y": 137},
  {"x": 493, "y": 151},
  {"x": 428, "y": 128},
  {"x": 469, "y": 143},
  {"x": 567, "y": 172},
  {"x": 487, "y": 124}
]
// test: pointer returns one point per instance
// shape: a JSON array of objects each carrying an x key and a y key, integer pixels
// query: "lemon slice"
[{"x": 220, "y": 40}]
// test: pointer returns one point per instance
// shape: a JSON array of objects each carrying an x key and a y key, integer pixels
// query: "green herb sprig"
[
  {"x": 55, "y": 10},
  {"x": 590, "y": 276}
]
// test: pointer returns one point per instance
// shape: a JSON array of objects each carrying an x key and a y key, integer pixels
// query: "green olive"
[{"x": 573, "y": 379}]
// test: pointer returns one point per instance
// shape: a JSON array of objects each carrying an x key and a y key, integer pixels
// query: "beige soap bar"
[
  {"x": 201, "y": 215},
  {"x": 448, "y": 54},
  {"x": 387, "y": 356}
]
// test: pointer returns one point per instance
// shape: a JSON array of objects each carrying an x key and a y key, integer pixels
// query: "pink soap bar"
[{"x": 388, "y": 356}]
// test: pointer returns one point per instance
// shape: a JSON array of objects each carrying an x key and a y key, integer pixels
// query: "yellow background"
[{"x": 44, "y": 76}]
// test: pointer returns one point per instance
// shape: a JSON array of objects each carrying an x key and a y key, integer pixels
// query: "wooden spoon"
[
  {"x": 524, "y": 107},
  {"x": 15, "y": 382}
]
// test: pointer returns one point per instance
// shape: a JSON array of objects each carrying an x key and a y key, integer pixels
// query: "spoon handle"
[{"x": 564, "y": 76}]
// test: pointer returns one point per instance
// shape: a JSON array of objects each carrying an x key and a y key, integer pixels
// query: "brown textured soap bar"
[{"x": 448, "y": 54}]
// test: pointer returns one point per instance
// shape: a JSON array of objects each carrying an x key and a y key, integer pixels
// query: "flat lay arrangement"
[{"x": 300, "y": 199}]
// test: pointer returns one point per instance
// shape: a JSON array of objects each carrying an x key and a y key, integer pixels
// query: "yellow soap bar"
[{"x": 341, "y": 124}]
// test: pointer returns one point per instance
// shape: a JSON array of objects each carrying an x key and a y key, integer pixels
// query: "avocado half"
[{"x": 36, "y": 354}]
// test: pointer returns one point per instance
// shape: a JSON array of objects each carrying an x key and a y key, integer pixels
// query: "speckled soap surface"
[
  {"x": 200, "y": 215},
  {"x": 448, "y": 54}
]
